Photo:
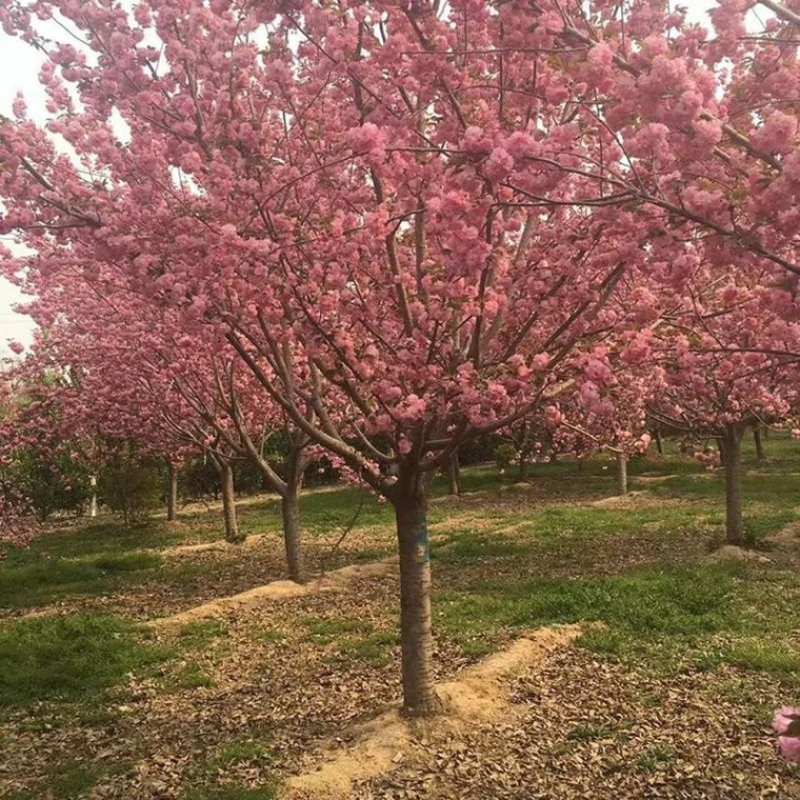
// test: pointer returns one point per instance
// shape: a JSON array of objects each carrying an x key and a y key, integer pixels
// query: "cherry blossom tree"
[
  {"x": 407, "y": 221},
  {"x": 729, "y": 355}
]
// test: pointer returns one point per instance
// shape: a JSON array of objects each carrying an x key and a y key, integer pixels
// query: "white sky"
[{"x": 19, "y": 68}]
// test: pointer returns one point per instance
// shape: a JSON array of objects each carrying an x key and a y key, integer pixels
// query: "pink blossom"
[
  {"x": 777, "y": 134},
  {"x": 786, "y": 721},
  {"x": 367, "y": 138},
  {"x": 790, "y": 748},
  {"x": 499, "y": 164},
  {"x": 553, "y": 415},
  {"x": 191, "y": 162}
]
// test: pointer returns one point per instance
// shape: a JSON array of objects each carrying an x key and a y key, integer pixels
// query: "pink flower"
[
  {"x": 787, "y": 721},
  {"x": 553, "y": 416},
  {"x": 16, "y": 347},
  {"x": 498, "y": 165},
  {"x": 191, "y": 162},
  {"x": 368, "y": 138},
  {"x": 777, "y": 134},
  {"x": 790, "y": 748}
]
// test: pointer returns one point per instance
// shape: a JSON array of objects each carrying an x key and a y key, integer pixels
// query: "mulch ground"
[{"x": 593, "y": 729}]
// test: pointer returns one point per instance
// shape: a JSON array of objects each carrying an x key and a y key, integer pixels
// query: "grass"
[
  {"x": 321, "y": 513},
  {"x": 654, "y": 757},
  {"x": 231, "y": 792},
  {"x": 588, "y": 733},
  {"x": 675, "y": 601},
  {"x": 199, "y": 635},
  {"x": 352, "y": 639},
  {"x": 70, "y": 780},
  {"x": 324, "y": 630},
  {"x": 374, "y": 649},
  {"x": 41, "y": 581},
  {"x": 70, "y": 658},
  {"x": 98, "y": 559},
  {"x": 241, "y": 751},
  {"x": 269, "y": 636},
  {"x": 192, "y": 676}
]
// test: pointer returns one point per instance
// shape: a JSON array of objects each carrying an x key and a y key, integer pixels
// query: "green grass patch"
[
  {"x": 654, "y": 757},
  {"x": 326, "y": 630},
  {"x": 646, "y": 603},
  {"x": 73, "y": 779},
  {"x": 269, "y": 636},
  {"x": 69, "y": 658},
  {"x": 199, "y": 635},
  {"x": 231, "y": 791},
  {"x": 668, "y": 600},
  {"x": 476, "y": 547},
  {"x": 46, "y": 581},
  {"x": 589, "y": 733},
  {"x": 774, "y": 658},
  {"x": 70, "y": 780},
  {"x": 241, "y": 751},
  {"x": 192, "y": 676},
  {"x": 374, "y": 649}
]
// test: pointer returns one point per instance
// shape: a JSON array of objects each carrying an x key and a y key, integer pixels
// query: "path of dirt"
[{"x": 278, "y": 590}]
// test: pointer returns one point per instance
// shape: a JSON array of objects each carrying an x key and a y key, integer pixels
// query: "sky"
[{"x": 19, "y": 68}]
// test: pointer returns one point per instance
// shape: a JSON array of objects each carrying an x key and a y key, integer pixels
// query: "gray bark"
[
  {"x": 172, "y": 493},
  {"x": 419, "y": 695},
  {"x": 622, "y": 474},
  {"x": 732, "y": 458}
]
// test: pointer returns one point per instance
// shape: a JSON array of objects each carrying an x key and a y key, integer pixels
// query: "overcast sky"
[{"x": 19, "y": 68}]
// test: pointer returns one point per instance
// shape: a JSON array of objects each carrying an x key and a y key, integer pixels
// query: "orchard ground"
[{"x": 669, "y": 695}]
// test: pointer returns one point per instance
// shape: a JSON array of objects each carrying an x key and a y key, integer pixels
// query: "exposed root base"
[
  {"x": 278, "y": 590},
  {"x": 731, "y": 552},
  {"x": 479, "y": 694}
]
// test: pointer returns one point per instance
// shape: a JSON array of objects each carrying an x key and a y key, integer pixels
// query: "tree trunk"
[
  {"x": 93, "y": 498},
  {"x": 759, "y": 442},
  {"x": 732, "y": 455},
  {"x": 296, "y": 464},
  {"x": 523, "y": 465},
  {"x": 453, "y": 475},
  {"x": 622, "y": 474},
  {"x": 419, "y": 696},
  {"x": 172, "y": 493},
  {"x": 229, "y": 504},
  {"x": 290, "y": 510},
  {"x": 659, "y": 442}
]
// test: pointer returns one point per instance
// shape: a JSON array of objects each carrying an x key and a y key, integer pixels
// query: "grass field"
[{"x": 670, "y": 696}]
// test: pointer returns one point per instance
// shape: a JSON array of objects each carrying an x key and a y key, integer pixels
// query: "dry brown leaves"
[{"x": 594, "y": 730}]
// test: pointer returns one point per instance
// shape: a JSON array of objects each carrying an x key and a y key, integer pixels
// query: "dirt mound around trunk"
[
  {"x": 479, "y": 695},
  {"x": 730, "y": 552}
]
